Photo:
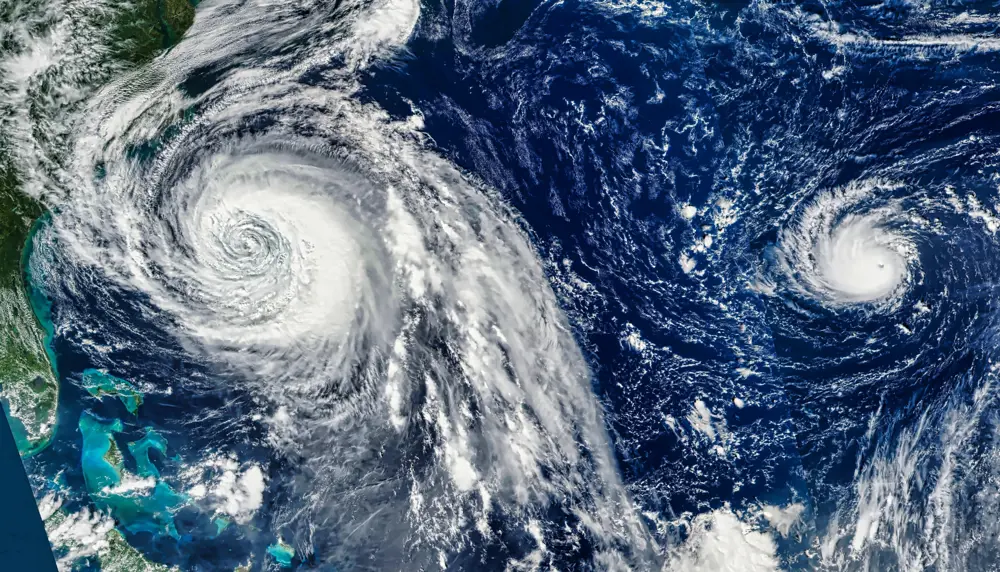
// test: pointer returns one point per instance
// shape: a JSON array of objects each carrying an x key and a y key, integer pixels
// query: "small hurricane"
[{"x": 841, "y": 250}]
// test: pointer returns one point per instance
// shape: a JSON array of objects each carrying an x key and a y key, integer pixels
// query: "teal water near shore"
[{"x": 139, "y": 502}]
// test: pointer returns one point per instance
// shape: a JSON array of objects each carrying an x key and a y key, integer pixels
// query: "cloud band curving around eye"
[
  {"x": 841, "y": 251},
  {"x": 386, "y": 310}
]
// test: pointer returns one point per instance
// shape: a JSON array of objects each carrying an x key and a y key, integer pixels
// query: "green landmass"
[
  {"x": 135, "y": 32},
  {"x": 101, "y": 458},
  {"x": 146, "y": 27},
  {"x": 123, "y": 557},
  {"x": 101, "y": 384},
  {"x": 118, "y": 556},
  {"x": 28, "y": 386}
]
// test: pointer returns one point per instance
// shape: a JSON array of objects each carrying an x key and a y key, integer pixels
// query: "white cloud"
[
  {"x": 80, "y": 534},
  {"x": 720, "y": 542},
  {"x": 227, "y": 486}
]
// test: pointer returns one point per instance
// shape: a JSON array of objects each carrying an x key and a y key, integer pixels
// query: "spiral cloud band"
[
  {"x": 840, "y": 256},
  {"x": 902, "y": 268},
  {"x": 387, "y": 314}
]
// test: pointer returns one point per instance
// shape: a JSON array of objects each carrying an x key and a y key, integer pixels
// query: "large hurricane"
[{"x": 385, "y": 310}]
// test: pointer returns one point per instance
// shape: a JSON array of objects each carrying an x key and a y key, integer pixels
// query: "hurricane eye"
[
  {"x": 378, "y": 318},
  {"x": 841, "y": 251}
]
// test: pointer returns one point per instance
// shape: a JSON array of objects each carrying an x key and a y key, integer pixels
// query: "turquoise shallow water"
[
  {"x": 141, "y": 449},
  {"x": 139, "y": 505},
  {"x": 282, "y": 553}
]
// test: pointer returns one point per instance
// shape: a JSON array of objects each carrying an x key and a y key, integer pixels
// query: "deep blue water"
[
  {"x": 599, "y": 185},
  {"x": 729, "y": 101}
]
